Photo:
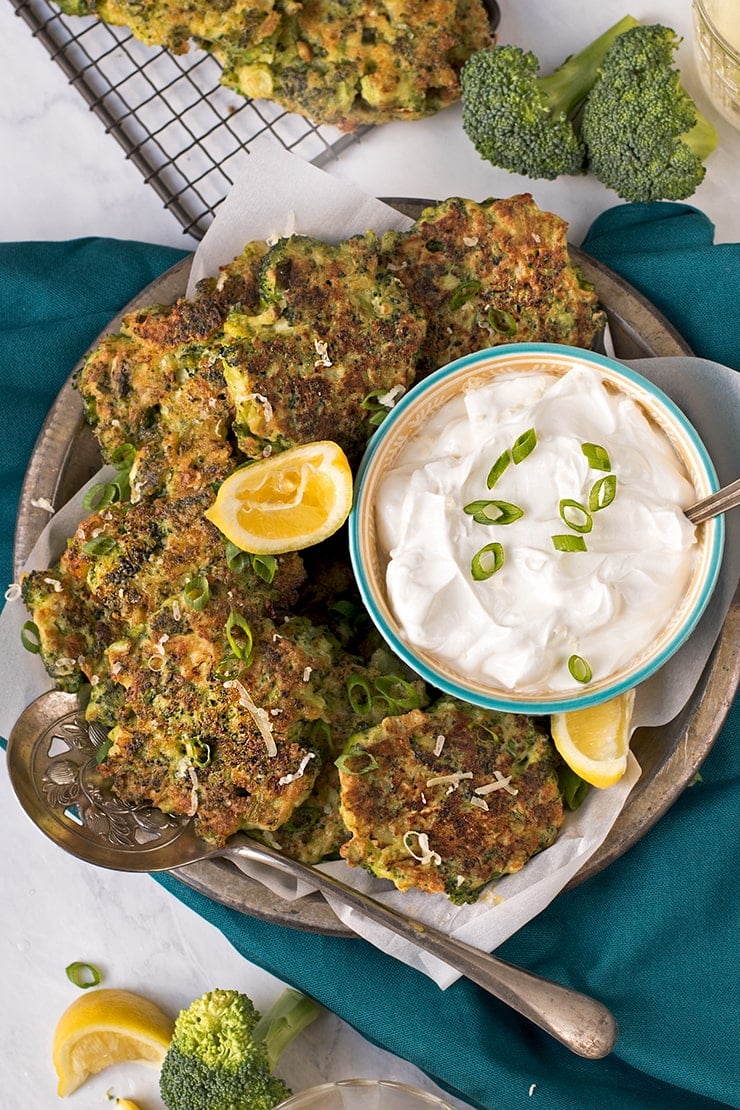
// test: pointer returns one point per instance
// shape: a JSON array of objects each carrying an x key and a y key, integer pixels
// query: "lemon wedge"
[
  {"x": 594, "y": 742},
  {"x": 107, "y": 1027},
  {"x": 126, "y": 1104},
  {"x": 287, "y": 502}
]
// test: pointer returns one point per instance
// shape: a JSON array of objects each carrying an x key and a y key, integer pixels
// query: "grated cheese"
[
  {"x": 307, "y": 673},
  {"x": 285, "y": 779},
  {"x": 439, "y": 743},
  {"x": 501, "y": 782},
  {"x": 13, "y": 592},
  {"x": 389, "y": 399},
  {"x": 43, "y": 503},
  {"x": 55, "y": 584},
  {"x": 259, "y": 716},
  {"x": 427, "y": 856},
  {"x": 454, "y": 779},
  {"x": 479, "y": 803},
  {"x": 321, "y": 348}
]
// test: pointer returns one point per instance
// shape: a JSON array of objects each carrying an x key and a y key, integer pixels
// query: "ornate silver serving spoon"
[{"x": 52, "y": 765}]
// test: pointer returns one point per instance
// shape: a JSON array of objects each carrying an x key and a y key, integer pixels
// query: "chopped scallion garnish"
[
  {"x": 498, "y": 468},
  {"x": 236, "y": 560},
  {"x": 400, "y": 695},
  {"x": 501, "y": 321},
  {"x": 487, "y": 561},
  {"x": 368, "y": 761},
  {"x": 575, "y": 515},
  {"x": 31, "y": 637},
  {"x": 579, "y": 668},
  {"x": 101, "y": 753},
  {"x": 264, "y": 566},
  {"x": 602, "y": 493},
  {"x": 197, "y": 592},
  {"x": 101, "y": 545},
  {"x": 524, "y": 445},
  {"x": 464, "y": 292},
  {"x": 359, "y": 694},
  {"x": 83, "y": 975},
  {"x": 99, "y": 496},
  {"x": 568, "y": 543},
  {"x": 598, "y": 457},
  {"x": 493, "y": 512},
  {"x": 239, "y": 635}
]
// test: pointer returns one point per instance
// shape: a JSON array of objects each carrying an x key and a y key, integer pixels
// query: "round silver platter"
[{"x": 66, "y": 456}]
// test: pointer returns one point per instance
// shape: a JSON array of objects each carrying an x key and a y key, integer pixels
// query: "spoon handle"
[
  {"x": 582, "y": 1024},
  {"x": 720, "y": 502}
]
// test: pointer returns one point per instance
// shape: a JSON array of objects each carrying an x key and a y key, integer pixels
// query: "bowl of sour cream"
[{"x": 518, "y": 531}]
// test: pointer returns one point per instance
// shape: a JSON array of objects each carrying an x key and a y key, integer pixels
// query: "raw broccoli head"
[
  {"x": 522, "y": 122},
  {"x": 644, "y": 136},
  {"x": 223, "y": 1053}
]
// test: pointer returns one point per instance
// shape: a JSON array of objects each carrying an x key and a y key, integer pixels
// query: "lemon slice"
[
  {"x": 594, "y": 742},
  {"x": 107, "y": 1027},
  {"x": 126, "y": 1104},
  {"x": 287, "y": 502}
]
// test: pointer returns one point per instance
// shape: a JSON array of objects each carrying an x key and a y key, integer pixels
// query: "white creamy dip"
[{"x": 519, "y": 627}]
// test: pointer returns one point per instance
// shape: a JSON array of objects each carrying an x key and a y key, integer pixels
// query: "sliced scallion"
[
  {"x": 579, "y": 669},
  {"x": 602, "y": 493},
  {"x": 355, "y": 753},
  {"x": 575, "y": 515},
  {"x": 400, "y": 695},
  {"x": 101, "y": 753},
  {"x": 99, "y": 496},
  {"x": 568, "y": 543},
  {"x": 487, "y": 561},
  {"x": 598, "y": 456},
  {"x": 236, "y": 560},
  {"x": 264, "y": 566},
  {"x": 101, "y": 545},
  {"x": 197, "y": 592},
  {"x": 359, "y": 694},
  {"x": 239, "y": 635},
  {"x": 524, "y": 445},
  {"x": 502, "y": 321},
  {"x": 31, "y": 637},
  {"x": 493, "y": 512},
  {"x": 498, "y": 468},
  {"x": 83, "y": 975},
  {"x": 463, "y": 293}
]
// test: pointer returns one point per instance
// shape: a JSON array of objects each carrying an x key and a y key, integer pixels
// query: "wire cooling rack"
[{"x": 188, "y": 135}]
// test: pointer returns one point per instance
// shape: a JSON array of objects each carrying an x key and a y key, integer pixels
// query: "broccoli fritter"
[
  {"x": 343, "y": 325},
  {"x": 448, "y": 798},
  {"x": 490, "y": 273},
  {"x": 347, "y": 63}
]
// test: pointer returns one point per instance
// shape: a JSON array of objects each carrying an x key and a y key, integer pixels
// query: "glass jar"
[
  {"x": 717, "y": 48},
  {"x": 364, "y": 1094}
]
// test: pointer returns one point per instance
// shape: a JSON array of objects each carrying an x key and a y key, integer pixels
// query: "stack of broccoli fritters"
[
  {"x": 342, "y": 62},
  {"x": 232, "y": 683}
]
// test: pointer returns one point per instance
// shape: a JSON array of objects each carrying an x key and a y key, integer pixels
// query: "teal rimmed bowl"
[{"x": 411, "y": 414}]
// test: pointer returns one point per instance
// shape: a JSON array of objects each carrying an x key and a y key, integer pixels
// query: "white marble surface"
[{"x": 62, "y": 177}]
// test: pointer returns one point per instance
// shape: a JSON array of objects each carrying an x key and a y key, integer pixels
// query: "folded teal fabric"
[{"x": 654, "y": 936}]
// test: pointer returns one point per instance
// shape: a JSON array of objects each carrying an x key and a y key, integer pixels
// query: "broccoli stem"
[
  {"x": 568, "y": 85},
  {"x": 702, "y": 138},
  {"x": 289, "y": 1014}
]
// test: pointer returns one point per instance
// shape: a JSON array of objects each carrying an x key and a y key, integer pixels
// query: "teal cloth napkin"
[{"x": 655, "y": 936}]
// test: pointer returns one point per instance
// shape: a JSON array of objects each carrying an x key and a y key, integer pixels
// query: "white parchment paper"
[{"x": 280, "y": 195}]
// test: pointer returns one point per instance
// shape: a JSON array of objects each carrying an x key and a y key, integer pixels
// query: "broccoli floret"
[
  {"x": 222, "y": 1053},
  {"x": 522, "y": 122},
  {"x": 644, "y": 136}
]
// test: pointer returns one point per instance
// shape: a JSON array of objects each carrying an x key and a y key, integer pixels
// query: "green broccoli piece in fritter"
[
  {"x": 644, "y": 136},
  {"x": 522, "y": 122},
  {"x": 222, "y": 1053}
]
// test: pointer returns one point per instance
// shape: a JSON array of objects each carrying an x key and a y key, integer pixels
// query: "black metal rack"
[{"x": 187, "y": 134}]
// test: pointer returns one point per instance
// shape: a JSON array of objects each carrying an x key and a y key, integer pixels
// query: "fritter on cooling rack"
[
  {"x": 335, "y": 329},
  {"x": 491, "y": 273},
  {"x": 347, "y": 62},
  {"x": 448, "y": 798}
]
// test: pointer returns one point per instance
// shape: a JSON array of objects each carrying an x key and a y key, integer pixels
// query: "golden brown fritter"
[
  {"x": 448, "y": 798},
  {"x": 344, "y": 328},
  {"x": 490, "y": 273},
  {"x": 346, "y": 62}
]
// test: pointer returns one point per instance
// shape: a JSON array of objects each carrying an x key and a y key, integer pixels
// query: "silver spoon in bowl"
[
  {"x": 720, "y": 502},
  {"x": 52, "y": 765}
]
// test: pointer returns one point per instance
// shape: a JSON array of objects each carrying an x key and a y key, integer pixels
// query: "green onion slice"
[
  {"x": 239, "y": 635},
  {"x": 580, "y": 669},
  {"x": 229, "y": 667},
  {"x": 524, "y": 445},
  {"x": 101, "y": 753},
  {"x": 602, "y": 493},
  {"x": 498, "y": 468},
  {"x": 463, "y": 293},
  {"x": 493, "y": 512},
  {"x": 359, "y": 694},
  {"x": 487, "y": 561},
  {"x": 575, "y": 515},
  {"x": 319, "y": 733},
  {"x": 236, "y": 560},
  {"x": 197, "y": 592},
  {"x": 31, "y": 637},
  {"x": 369, "y": 762},
  {"x": 123, "y": 457},
  {"x": 400, "y": 694},
  {"x": 83, "y": 975},
  {"x": 502, "y": 321},
  {"x": 264, "y": 566},
  {"x": 598, "y": 457},
  {"x": 101, "y": 545},
  {"x": 99, "y": 496},
  {"x": 198, "y": 752},
  {"x": 434, "y": 245},
  {"x": 568, "y": 543}
]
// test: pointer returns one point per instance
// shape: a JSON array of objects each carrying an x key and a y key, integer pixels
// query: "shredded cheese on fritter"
[
  {"x": 426, "y": 855},
  {"x": 439, "y": 743},
  {"x": 43, "y": 503},
  {"x": 285, "y": 779},
  {"x": 501, "y": 782},
  {"x": 13, "y": 592},
  {"x": 453, "y": 779},
  {"x": 259, "y": 716}
]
